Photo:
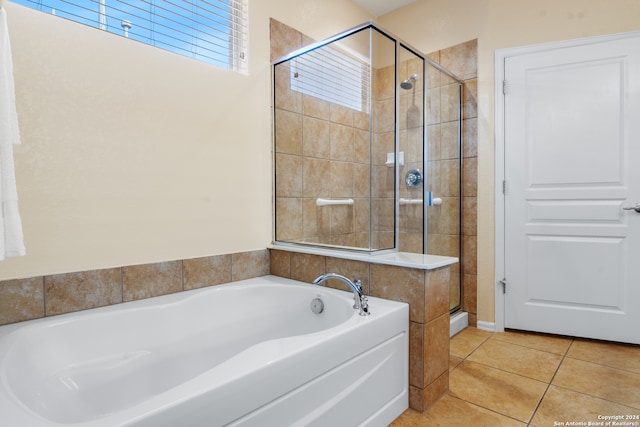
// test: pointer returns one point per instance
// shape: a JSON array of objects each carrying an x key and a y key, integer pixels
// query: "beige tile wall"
[
  {"x": 426, "y": 292},
  {"x": 324, "y": 150},
  {"x": 411, "y": 141},
  {"x": 317, "y": 156},
  {"x": 383, "y": 142},
  {"x": 447, "y": 233},
  {"x": 444, "y": 175},
  {"x": 462, "y": 60},
  {"x": 37, "y": 297}
]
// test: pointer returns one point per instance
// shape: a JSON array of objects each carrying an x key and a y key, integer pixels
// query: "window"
[
  {"x": 333, "y": 75},
  {"x": 213, "y": 31}
]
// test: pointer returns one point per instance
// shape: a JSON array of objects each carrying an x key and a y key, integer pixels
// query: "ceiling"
[{"x": 381, "y": 7}]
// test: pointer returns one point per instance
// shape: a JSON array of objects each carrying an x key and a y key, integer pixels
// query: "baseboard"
[
  {"x": 458, "y": 322},
  {"x": 486, "y": 326}
]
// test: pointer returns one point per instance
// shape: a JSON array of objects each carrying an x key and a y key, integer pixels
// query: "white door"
[{"x": 572, "y": 164}]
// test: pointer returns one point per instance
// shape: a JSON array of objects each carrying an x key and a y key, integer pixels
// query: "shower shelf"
[{"x": 331, "y": 202}]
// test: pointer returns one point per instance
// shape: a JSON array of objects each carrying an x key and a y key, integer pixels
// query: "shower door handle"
[
  {"x": 635, "y": 207},
  {"x": 433, "y": 201}
]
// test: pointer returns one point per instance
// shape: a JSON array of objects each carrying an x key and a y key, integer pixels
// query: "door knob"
[{"x": 635, "y": 207}]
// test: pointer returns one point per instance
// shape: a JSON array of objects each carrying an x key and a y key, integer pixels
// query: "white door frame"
[{"x": 500, "y": 57}]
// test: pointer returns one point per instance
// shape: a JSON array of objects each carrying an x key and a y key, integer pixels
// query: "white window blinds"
[
  {"x": 334, "y": 76},
  {"x": 213, "y": 31}
]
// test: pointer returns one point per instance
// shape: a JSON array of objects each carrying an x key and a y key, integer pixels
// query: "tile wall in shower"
[
  {"x": 327, "y": 150},
  {"x": 462, "y": 60}
]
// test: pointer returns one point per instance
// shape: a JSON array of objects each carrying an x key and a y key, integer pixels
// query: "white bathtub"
[{"x": 249, "y": 353}]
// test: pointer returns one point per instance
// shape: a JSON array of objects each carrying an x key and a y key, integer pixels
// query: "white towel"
[{"x": 11, "y": 240}]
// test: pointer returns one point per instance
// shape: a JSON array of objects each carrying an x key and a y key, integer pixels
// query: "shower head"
[{"x": 408, "y": 83}]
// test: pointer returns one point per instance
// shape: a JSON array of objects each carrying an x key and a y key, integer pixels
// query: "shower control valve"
[{"x": 413, "y": 178}]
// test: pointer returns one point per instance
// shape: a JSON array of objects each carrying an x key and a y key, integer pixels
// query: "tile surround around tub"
[
  {"x": 208, "y": 271},
  {"x": 21, "y": 299},
  {"x": 69, "y": 292},
  {"x": 151, "y": 280},
  {"x": 427, "y": 295},
  {"x": 426, "y": 292},
  {"x": 37, "y": 297}
]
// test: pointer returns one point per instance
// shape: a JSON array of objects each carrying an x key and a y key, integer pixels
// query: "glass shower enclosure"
[{"x": 367, "y": 137}]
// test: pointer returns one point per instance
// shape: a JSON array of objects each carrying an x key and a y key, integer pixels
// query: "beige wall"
[
  {"x": 131, "y": 154},
  {"x": 434, "y": 24}
]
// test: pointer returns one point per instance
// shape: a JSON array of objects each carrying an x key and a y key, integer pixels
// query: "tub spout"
[{"x": 360, "y": 301}]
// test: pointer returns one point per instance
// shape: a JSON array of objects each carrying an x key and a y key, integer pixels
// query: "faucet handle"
[
  {"x": 358, "y": 284},
  {"x": 364, "y": 306}
]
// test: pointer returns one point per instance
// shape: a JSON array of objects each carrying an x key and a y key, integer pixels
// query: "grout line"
[
  {"x": 488, "y": 409},
  {"x": 483, "y": 407},
  {"x": 121, "y": 284},
  {"x": 231, "y": 268},
  {"x": 507, "y": 372},
  {"x": 182, "y": 274},
  {"x": 597, "y": 397},
  {"x": 533, "y": 348},
  {"x": 573, "y": 340},
  {"x": 535, "y": 411},
  {"x": 603, "y": 365},
  {"x": 564, "y": 356},
  {"x": 476, "y": 349},
  {"x": 44, "y": 297}
]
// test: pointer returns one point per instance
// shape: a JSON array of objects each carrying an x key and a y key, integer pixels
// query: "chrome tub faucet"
[{"x": 360, "y": 301}]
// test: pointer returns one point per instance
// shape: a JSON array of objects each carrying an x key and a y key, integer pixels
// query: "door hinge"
[
  {"x": 505, "y": 87},
  {"x": 503, "y": 282},
  {"x": 504, "y": 187}
]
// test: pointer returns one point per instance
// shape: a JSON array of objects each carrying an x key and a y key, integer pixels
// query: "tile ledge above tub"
[{"x": 400, "y": 259}]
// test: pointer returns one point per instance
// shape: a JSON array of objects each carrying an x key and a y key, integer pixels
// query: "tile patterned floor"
[{"x": 526, "y": 379}]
